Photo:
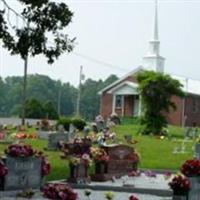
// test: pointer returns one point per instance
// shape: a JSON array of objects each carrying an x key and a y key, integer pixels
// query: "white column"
[
  {"x": 113, "y": 104},
  {"x": 123, "y": 106},
  {"x": 140, "y": 106}
]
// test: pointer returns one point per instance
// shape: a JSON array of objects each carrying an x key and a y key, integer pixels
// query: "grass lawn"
[{"x": 155, "y": 153}]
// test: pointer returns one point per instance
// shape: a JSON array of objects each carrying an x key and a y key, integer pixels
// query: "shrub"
[
  {"x": 65, "y": 122},
  {"x": 45, "y": 125},
  {"x": 79, "y": 123}
]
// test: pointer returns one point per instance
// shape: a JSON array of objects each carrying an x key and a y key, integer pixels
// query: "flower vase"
[
  {"x": 195, "y": 182},
  {"x": 194, "y": 192},
  {"x": 78, "y": 172}
]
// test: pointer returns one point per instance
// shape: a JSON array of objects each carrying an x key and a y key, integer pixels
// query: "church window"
[
  {"x": 118, "y": 101},
  {"x": 194, "y": 105}
]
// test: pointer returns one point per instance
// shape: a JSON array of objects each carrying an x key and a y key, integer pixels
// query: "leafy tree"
[
  {"x": 157, "y": 90},
  {"x": 43, "y": 18},
  {"x": 34, "y": 109},
  {"x": 90, "y": 100},
  {"x": 2, "y": 96},
  {"x": 50, "y": 111}
]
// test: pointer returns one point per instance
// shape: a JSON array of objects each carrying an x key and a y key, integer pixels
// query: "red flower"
[
  {"x": 3, "y": 169},
  {"x": 45, "y": 164},
  {"x": 180, "y": 184},
  {"x": 191, "y": 168},
  {"x": 59, "y": 192},
  {"x": 17, "y": 150},
  {"x": 132, "y": 197}
]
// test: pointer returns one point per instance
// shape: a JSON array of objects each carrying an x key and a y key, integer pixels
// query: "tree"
[
  {"x": 44, "y": 19},
  {"x": 34, "y": 109},
  {"x": 50, "y": 111},
  {"x": 157, "y": 90},
  {"x": 2, "y": 97},
  {"x": 90, "y": 100}
]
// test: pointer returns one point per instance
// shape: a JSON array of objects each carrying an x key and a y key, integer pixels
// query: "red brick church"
[{"x": 122, "y": 97}]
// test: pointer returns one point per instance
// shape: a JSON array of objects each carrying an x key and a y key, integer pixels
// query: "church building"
[{"x": 122, "y": 97}]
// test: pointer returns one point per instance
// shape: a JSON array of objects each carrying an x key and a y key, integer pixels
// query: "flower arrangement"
[
  {"x": 150, "y": 174},
  {"x": 84, "y": 159},
  {"x": 191, "y": 167},
  {"x": 3, "y": 169},
  {"x": 180, "y": 184},
  {"x": 74, "y": 160},
  {"x": 135, "y": 157},
  {"x": 45, "y": 165},
  {"x": 59, "y": 192},
  {"x": 109, "y": 195},
  {"x": 19, "y": 150},
  {"x": 134, "y": 173},
  {"x": 99, "y": 154},
  {"x": 22, "y": 135},
  {"x": 45, "y": 125},
  {"x": 132, "y": 197}
]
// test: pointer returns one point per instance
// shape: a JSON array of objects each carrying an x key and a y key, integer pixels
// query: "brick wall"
[
  {"x": 106, "y": 101},
  {"x": 175, "y": 117},
  {"x": 191, "y": 111},
  {"x": 106, "y": 105}
]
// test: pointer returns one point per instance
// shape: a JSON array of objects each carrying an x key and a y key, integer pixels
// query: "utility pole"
[
  {"x": 59, "y": 101},
  {"x": 79, "y": 92},
  {"x": 25, "y": 81}
]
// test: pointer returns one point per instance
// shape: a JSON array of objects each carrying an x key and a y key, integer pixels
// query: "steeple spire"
[
  {"x": 156, "y": 21},
  {"x": 153, "y": 60}
]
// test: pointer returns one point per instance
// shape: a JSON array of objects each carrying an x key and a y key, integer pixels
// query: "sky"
[{"x": 112, "y": 38}]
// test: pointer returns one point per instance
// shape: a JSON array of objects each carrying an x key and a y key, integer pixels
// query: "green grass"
[{"x": 155, "y": 153}]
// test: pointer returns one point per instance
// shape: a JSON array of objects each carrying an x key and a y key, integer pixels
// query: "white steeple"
[{"x": 153, "y": 60}]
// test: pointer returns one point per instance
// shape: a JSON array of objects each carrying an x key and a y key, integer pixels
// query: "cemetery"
[
  {"x": 130, "y": 138},
  {"x": 130, "y": 166}
]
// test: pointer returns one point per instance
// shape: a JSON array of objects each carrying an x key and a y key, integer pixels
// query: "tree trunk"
[{"x": 24, "y": 90}]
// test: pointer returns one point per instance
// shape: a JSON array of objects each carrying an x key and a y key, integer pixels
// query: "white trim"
[
  {"x": 131, "y": 84},
  {"x": 121, "y": 79},
  {"x": 113, "y": 105},
  {"x": 122, "y": 106}
]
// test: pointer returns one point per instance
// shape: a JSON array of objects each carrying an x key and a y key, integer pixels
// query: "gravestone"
[
  {"x": 78, "y": 174},
  {"x": 61, "y": 128},
  {"x": 197, "y": 151},
  {"x": 23, "y": 173},
  {"x": 121, "y": 162},
  {"x": 72, "y": 132},
  {"x": 194, "y": 193},
  {"x": 55, "y": 138},
  {"x": 43, "y": 134}
]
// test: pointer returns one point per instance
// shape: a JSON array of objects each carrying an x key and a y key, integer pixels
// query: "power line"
[{"x": 99, "y": 61}]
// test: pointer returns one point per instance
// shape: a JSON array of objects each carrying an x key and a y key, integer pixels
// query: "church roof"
[{"x": 190, "y": 85}]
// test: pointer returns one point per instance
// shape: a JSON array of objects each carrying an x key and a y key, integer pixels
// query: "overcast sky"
[{"x": 118, "y": 32}]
